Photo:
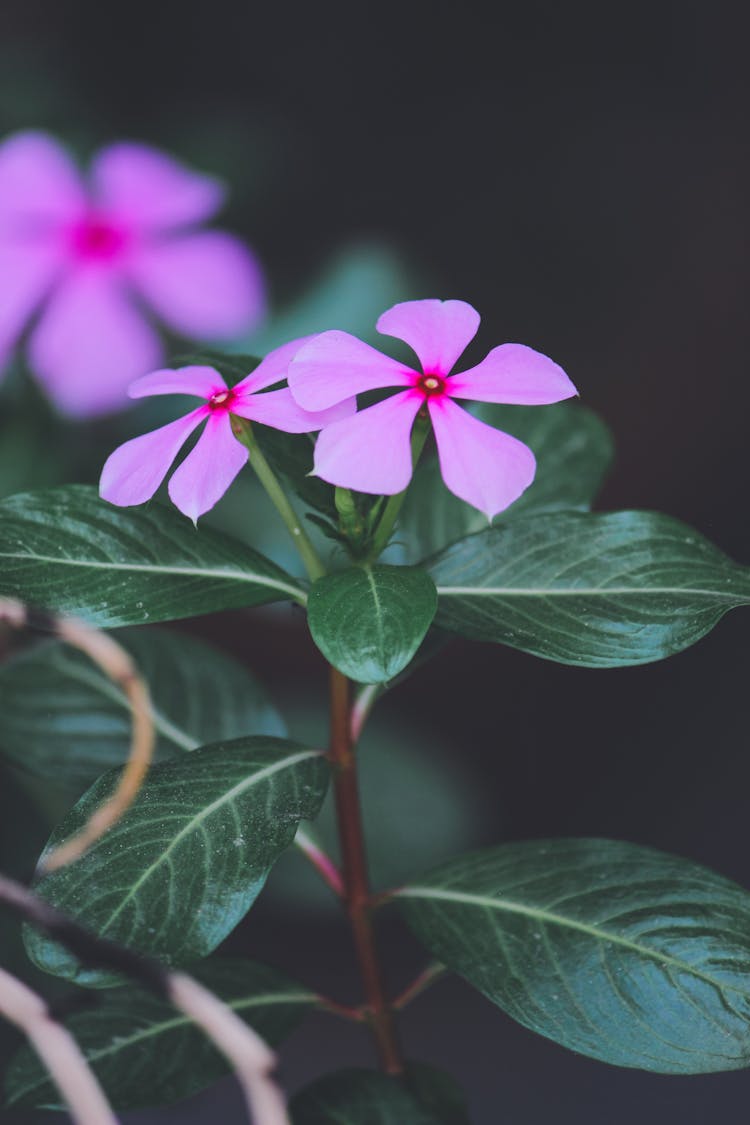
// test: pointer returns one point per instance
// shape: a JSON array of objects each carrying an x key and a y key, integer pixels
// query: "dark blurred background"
[{"x": 580, "y": 172}]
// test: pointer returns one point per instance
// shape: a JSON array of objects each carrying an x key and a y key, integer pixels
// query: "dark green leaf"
[
  {"x": 620, "y": 952},
  {"x": 595, "y": 590},
  {"x": 369, "y": 621},
  {"x": 573, "y": 449},
  {"x": 62, "y": 718},
  {"x": 435, "y": 642},
  {"x": 69, "y": 551},
  {"x": 189, "y": 858},
  {"x": 359, "y": 1097},
  {"x": 145, "y": 1053}
]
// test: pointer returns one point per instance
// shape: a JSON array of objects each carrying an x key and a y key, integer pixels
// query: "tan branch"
[
  {"x": 250, "y": 1058},
  {"x": 58, "y": 1051},
  {"x": 119, "y": 667}
]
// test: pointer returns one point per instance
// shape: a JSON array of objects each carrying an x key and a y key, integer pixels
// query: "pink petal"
[
  {"x": 513, "y": 373},
  {"x": 481, "y": 465},
  {"x": 39, "y": 184},
  {"x": 203, "y": 285},
  {"x": 90, "y": 343},
  {"x": 438, "y": 331},
  {"x": 278, "y": 409},
  {"x": 132, "y": 474},
  {"x": 27, "y": 271},
  {"x": 273, "y": 368},
  {"x": 150, "y": 190},
  {"x": 209, "y": 468},
  {"x": 194, "y": 380},
  {"x": 335, "y": 366},
  {"x": 371, "y": 451}
]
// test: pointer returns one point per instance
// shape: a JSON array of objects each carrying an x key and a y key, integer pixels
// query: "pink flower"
[
  {"x": 371, "y": 452},
  {"x": 86, "y": 257},
  {"x": 132, "y": 474}
]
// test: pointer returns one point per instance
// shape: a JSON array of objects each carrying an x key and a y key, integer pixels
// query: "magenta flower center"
[
  {"x": 431, "y": 385},
  {"x": 97, "y": 238},
  {"x": 221, "y": 400}
]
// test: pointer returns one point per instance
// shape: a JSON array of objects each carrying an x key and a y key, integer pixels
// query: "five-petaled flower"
[
  {"x": 371, "y": 451},
  {"x": 132, "y": 474},
  {"x": 90, "y": 255}
]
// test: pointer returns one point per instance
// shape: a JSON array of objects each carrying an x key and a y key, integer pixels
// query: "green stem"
[
  {"x": 393, "y": 507},
  {"x": 242, "y": 430}
]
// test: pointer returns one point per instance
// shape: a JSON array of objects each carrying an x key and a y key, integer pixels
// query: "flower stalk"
[{"x": 242, "y": 430}]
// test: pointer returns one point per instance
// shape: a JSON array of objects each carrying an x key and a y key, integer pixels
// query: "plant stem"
[
  {"x": 418, "y": 985},
  {"x": 393, "y": 507},
  {"x": 242, "y": 430},
  {"x": 356, "y": 880}
]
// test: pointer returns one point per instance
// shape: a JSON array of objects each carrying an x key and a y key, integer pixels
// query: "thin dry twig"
[
  {"x": 58, "y": 1051},
  {"x": 119, "y": 667},
  {"x": 250, "y": 1058}
]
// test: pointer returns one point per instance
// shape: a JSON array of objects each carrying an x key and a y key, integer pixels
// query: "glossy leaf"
[
  {"x": 369, "y": 621},
  {"x": 189, "y": 858},
  {"x": 594, "y": 590},
  {"x": 67, "y": 550},
  {"x": 573, "y": 450},
  {"x": 61, "y": 718},
  {"x": 359, "y": 1097},
  {"x": 620, "y": 952},
  {"x": 145, "y": 1053}
]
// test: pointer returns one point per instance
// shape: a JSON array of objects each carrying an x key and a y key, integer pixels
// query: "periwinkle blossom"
[
  {"x": 371, "y": 451},
  {"x": 81, "y": 261},
  {"x": 134, "y": 471}
]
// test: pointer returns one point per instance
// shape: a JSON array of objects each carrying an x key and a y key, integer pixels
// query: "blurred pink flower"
[
  {"x": 86, "y": 257},
  {"x": 371, "y": 452},
  {"x": 132, "y": 474}
]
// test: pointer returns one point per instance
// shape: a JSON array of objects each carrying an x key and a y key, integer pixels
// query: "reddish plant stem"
[
  {"x": 322, "y": 862},
  {"x": 356, "y": 1015},
  {"x": 356, "y": 879},
  {"x": 417, "y": 986}
]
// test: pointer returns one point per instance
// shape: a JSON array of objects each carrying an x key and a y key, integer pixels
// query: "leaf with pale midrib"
[
  {"x": 62, "y": 718},
  {"x": 593, "y": 590},
  {"x": 617, "y": 951},
  {"x": 369, "y": 621},
  {"x": 177, "y": 873},
  {"x": 66, "y": 550},
  {"x": 145, "y": 1053}
]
